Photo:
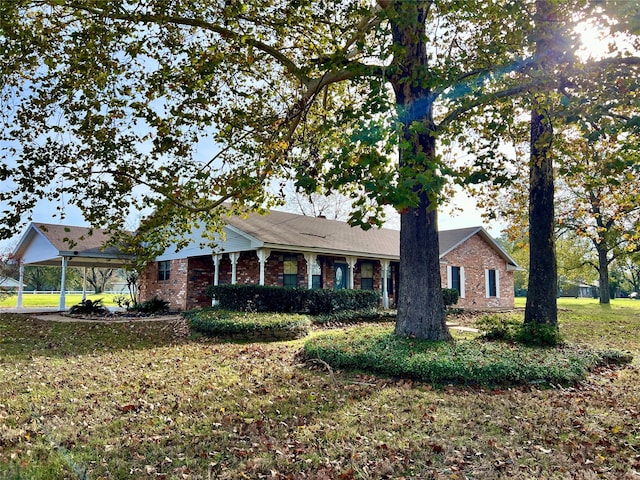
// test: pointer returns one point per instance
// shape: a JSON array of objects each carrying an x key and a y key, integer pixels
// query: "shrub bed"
[
  {"x": 261, "y": 298},
  {"x": 214, "y": 322},
  {"x": 373, "y": 315},
  {"x": 377, "y": 350}
]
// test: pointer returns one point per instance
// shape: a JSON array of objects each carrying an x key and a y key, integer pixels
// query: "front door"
[{"x": 339, "y": 276}]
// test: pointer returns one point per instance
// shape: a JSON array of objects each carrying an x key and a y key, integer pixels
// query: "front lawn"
[
  {"x": 45, "y": 300},
  {"x": 133, "y": 400}
]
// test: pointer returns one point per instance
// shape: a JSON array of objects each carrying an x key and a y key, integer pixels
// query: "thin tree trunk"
[{"x": 603, "y": 276}]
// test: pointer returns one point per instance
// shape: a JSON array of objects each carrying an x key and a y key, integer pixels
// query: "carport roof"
[{"x": 46, "y": 244}]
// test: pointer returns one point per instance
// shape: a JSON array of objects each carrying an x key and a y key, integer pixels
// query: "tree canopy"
[{"x": 189, "y": 111}]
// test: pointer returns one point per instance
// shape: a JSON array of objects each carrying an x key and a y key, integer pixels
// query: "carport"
[{"x": 64, "y": 246}]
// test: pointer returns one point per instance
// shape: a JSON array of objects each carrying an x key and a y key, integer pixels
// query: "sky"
[{"x": 467, "y": 214}]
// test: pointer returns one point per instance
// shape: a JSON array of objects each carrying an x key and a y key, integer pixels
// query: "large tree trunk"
[
  {"x": 603, "y": 275},
  {"x": 421, "y": 311},
  {"x": 542, "y": 291},
  {"x": 420, "y": 305}
]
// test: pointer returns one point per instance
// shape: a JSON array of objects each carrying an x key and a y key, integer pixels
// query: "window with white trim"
[
  {"x": 455, "y": 279},
  {"x": 492, "y": 283}
]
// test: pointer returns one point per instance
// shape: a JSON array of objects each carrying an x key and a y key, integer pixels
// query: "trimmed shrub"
[
  {"x": 214, "y": 322},
  {"x": 262, "y": 298},
  {"x": 356, "y": 316},
  {"x": 450, "y": 296}
]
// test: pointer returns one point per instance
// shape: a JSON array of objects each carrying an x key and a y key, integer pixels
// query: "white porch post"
[
  {"x": 216, "y": 274},
  {"x": 384, "y": 270},
  {"x": 234, "y": 256},
  {"x": 20, "y": 285},
  {"x": 84, "y": 284},
  {"x": 311, "y": 259},
  {"x": 263, "y": 254},
  {"x": 351, "y": 263},
  {"x": 63, "y": 287},
  {"x": 216, "y": 268}
]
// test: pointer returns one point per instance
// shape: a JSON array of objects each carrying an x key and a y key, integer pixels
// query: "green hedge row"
[
  {"x": 260, "y": 298},
  {"x": 214, "y": 322}
]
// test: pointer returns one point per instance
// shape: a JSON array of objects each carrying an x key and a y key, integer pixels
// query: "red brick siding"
[
  {"x": 476, "y": 255},
  {"x": 173, "y": 290}
]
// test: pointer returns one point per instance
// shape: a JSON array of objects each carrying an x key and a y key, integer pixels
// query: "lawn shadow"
[{"x": 23, "y": 336}]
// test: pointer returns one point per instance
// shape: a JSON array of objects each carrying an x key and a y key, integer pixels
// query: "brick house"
[{"x": 293, "y": 250}]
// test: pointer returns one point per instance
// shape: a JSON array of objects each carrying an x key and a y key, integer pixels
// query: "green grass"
[
  {"x": 474, "y": 361},
  {"x": 133, "y": 400},
  {"x": 52, "y": 300}
]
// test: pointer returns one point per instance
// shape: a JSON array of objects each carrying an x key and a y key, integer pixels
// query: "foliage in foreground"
[
  {"x": 248, "y": 326},
  {"x": 378, "y": 350}
]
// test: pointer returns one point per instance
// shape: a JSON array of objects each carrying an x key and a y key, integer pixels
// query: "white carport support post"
[
  {"x": 351, "y": 263},
  {"x": 263, "y": 255},
  {"x": 63, "y": 287},
  {"x": 84, "y": 284},
  {"x": 234, "y": 256},
  {"x": 20, "y": 285},
  {"x": 311, "y": 259},
  {"x": 384, "y": 267}
]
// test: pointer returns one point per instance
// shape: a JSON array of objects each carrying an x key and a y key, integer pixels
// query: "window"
[
  {"x": 164, "y": 269},
  {"x": 455, "y": 279},
  {"x": 290, "y": 277},
  {"x": 366, "y": 276},
  {"x": 316, "y": 275},
  {"x": 493, "y": 287}
]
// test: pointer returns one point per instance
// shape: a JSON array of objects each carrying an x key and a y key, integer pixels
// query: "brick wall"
[
  {"x": 173, "y": 290},
  {"x": 476, "y": 255}
]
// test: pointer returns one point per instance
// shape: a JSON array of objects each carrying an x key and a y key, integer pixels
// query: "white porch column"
[
  {"x": 216, "y": 274},
  {"x": 351, "y": 263},
  {"x": 384, "y": 271},
  {"x": 216, "y": 268},
  {"x": 20, "y": 285},
  {"x": 63, "y": 287},
  {"x": 311, "y": 259},
  {"x": 234, "y": 256},
  {"x": 84, "y": 284},
  {"x": 263, "y": 254}
]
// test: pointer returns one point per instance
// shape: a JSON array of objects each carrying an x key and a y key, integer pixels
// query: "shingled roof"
[
  {"x": 299, "y": 232},
  {"x": 46, "y": 244}
]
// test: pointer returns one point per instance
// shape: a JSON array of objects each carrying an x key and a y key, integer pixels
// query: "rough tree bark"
[
  {"x": 420, "y": 307},
  {"x": 542, "y": 291}
]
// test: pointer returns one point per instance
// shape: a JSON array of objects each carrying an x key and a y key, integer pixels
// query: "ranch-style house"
[{"x": 288, "y": 250}]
